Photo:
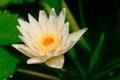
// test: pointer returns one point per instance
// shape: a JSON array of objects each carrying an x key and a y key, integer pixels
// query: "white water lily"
[{"x": 47, "y": 39}]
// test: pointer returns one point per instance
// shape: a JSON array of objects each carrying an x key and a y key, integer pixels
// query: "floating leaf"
[
  {"x": 7, "y": 64},
  {"x": 16, "y": 1},
  {"x": 96, "y": 52},
  {"x": 31, "y": 1},
  {"x": 3, "y": 3},
  {"x": 8, "y": 31}
]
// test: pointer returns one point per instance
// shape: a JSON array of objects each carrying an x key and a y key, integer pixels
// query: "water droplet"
[
  {"x": 111, "y": 73},
  {"x": 11, "y": 76}
]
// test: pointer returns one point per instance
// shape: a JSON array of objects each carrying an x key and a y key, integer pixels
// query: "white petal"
[
  {"x": 31, "y": 30},
  {"x": 65, "y": 35},
  {"x": 31, "y": 19},
  {"x": 67, "y": 47},
  {"x": 37, "y": 50},
  {"x": 22, "y": 24},
  {"x": 25, "y": 29},
  {"x": 61, "y": 17},
  {"x": 28, "y": 42},
  {"x": 24, "y": 49},
  {"x": 24, "y": 32},
  {"x": 73, "y": 38},
  {"x": 35, "y": 60},
  {"x": 56, "y": 62},
  {"x": 52, "y": 15},
  {"x": 42, "y": 18},
  {"x": 52, "y": 22},
  {"x": 34, "y": 24},
  {"x": 76, "y": 35},
  {"x": 52, "y": 53}
]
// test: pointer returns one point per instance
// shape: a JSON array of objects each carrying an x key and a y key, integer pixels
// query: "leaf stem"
[{"x": 37, "y": 74}]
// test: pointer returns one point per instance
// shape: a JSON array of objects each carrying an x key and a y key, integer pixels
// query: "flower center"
[{"x": 47, "y": 41}]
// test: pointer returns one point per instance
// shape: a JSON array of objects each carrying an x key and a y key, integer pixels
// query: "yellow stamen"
[{"x": 47, "y": 41}]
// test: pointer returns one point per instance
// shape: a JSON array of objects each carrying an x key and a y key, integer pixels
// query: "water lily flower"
[{"x": 47, "y": 39}]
